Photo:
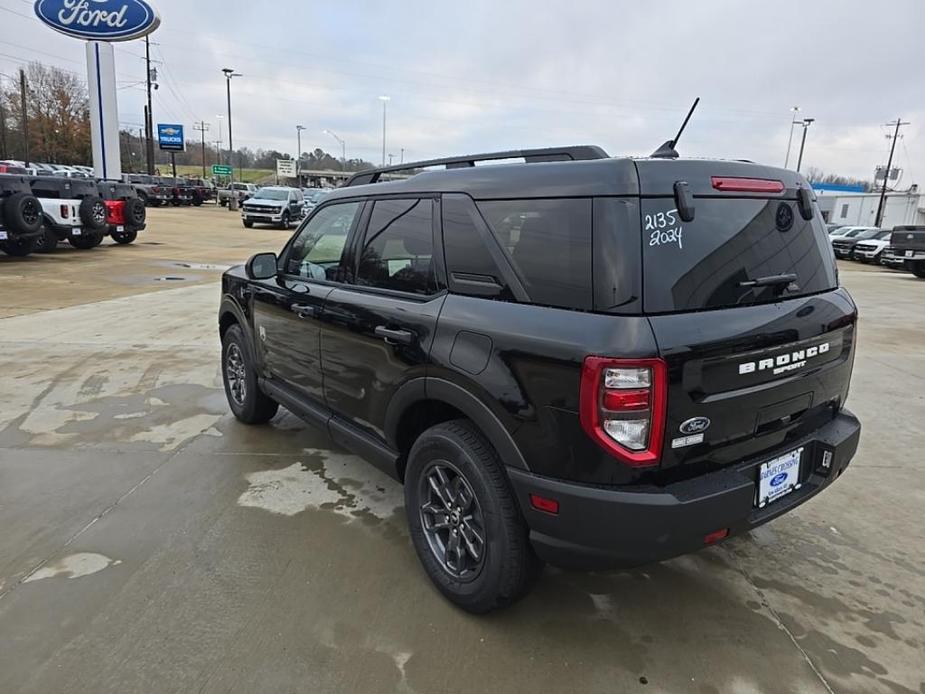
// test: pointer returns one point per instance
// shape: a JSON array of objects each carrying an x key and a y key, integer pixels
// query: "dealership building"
[{"x": 851, "y": 206}]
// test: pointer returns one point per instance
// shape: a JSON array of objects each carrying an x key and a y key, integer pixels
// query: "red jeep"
[{"x": 125, "y": 211}]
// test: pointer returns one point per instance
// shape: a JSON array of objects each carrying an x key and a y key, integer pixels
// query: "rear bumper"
[{"x": 598, "y": 528}]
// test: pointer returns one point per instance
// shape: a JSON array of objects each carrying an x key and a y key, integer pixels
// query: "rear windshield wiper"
[{"x": 770, "y": 281}]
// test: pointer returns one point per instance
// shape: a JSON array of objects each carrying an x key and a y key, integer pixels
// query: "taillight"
[
  {"x": 747, "y": 185},
  {"x": 65, "y": 211},
  {"x": 622, "y": 407}
]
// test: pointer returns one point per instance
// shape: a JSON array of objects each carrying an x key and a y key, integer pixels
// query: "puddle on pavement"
[{"x": 73, "y": 566}]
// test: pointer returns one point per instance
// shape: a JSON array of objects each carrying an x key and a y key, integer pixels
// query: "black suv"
[
  {"x": 20, "y": 216},
  {"x": 596, "y": 362}
]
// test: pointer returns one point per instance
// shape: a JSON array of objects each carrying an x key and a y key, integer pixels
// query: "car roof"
[{"x": 621, "y": 176}]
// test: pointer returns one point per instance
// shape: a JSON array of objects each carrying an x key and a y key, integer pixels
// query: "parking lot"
[{"x": 152, "y": 543}]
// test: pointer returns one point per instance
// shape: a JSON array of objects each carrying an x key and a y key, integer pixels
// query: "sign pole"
[
  {"x": 173, "y": 163},
  {"x": 104, "y": 113}
]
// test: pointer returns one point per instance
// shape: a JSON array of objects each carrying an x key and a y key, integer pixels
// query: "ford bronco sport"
[
  {"x": 20, "y": 216},
  {"x": 589, "y": 361},
  {"x": 72, "y": 210}
]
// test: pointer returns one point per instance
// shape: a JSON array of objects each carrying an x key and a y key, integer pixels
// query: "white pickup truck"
[{"x": 72, "y": 210}]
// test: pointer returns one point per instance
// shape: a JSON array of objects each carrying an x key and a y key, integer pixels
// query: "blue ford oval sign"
[{"x": 99, "y": 20}]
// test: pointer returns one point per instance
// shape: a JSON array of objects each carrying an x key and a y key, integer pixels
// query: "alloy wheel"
[
  {"x": 236, "y": 374},
  {"x": 452, "y": 520}
]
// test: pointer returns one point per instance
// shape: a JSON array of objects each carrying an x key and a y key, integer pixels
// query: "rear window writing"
[{"x": 703, "y": 264}]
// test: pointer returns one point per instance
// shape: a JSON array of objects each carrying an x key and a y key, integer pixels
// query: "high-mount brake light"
[
  {"x": 747, "y": 185},
  {"x": 622, "y": 407}
]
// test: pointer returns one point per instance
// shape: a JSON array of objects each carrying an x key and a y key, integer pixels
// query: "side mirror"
[{"x": 261, "y": 266}]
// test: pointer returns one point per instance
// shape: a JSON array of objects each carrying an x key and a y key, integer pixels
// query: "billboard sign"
[
  {"x": 99, "y": 20},
  {"x": 170, "y": 137},
  {"x": 285, "y": 168}
]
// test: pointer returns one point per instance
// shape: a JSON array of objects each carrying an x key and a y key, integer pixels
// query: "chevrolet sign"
[{"x": 170, "y": 137}]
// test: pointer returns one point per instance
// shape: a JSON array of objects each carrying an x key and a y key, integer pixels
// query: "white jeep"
[{"x": 72, "y": 210}]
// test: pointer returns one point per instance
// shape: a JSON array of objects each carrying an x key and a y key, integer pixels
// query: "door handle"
[
  {"x": 394, "y": 336},
  {"x": 304, "y": 310}
]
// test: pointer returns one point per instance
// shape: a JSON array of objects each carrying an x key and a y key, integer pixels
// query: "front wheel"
[
  {"x": 248, "y": 403},
  {"x": 285, "y": 223},
  {"x": 47, "y": 242},
  {"x": 465, "y": 524},
  {"x": 18, "y": 247}
]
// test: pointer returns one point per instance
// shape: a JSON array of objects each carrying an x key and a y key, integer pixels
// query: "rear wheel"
[
  {"x": 248, "y": 403},
  {"x": 47, "y": 242},
  {"x": 124, "y": 237},
  {"x": 465, "y": 524},
  {"x": 248, "y": 225},
  {"x": 22, "y": 212},
  {"x": 86, "y": 241},
  {"x": 18, "y": 247},
  {"x": 917, "y": 268}
]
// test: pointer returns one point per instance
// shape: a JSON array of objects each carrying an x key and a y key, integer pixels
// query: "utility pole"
[
  {"x": 149, "y": 126},
  {"x": 203, "y": 128},
  {"x": 25, "y": 115},
  {"x": 793, "y": 122},
  {"x": 881, "y": 207},
  {"x": 232, "y": 198},
  {"x": 806, "y": 123},
  {"x": 3, "y": 152}
]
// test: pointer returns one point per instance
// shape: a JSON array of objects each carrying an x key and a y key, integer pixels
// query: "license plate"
[
  {"x": 778, "y": 477},
  {"x": 120, "y": 228},
  {"x": 76, "y": 232},
  {"x": 910, "y": 254},
  {"x": 3, "y": 236}
]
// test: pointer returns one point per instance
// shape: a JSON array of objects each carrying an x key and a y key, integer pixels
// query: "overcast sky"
[{"x": 496, "y": 74}]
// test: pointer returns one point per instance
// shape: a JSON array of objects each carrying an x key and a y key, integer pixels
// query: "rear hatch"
[{"x": 750, "y": 367}]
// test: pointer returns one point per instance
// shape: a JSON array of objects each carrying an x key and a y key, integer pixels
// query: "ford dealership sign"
[{"x": 99, "y": 20}]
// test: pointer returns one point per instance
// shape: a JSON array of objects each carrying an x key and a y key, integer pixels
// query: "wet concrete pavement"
[{"x": 151, "y": 543}]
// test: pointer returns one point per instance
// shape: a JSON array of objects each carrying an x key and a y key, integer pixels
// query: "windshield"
[
  {"x": 869, "y": 234},
  {"x": 315, "y": 195},
  {"x": 266, "y": 194},
  {"x": 709, "y": 262}
]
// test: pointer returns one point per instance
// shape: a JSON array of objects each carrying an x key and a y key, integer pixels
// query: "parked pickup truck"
[
  {"x": 149, "y": 189},
  {"x": 179, "y": 193},
  {"x": 201, "y": 190},
  {"x": 907, "y": 249},
  {"x": 242, "y": 190}
]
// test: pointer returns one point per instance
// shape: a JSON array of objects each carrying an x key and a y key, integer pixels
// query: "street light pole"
[
  {"x": 385, "y": 100},
  {"x": 221, "y": 136},
  {"x": 343, "y": 150},
  {"x": 232, "y": 197},
  {"x": 806, "y": 123},
  {"x": 793, "y": 122},
  {"x": 298, "y": 162}
]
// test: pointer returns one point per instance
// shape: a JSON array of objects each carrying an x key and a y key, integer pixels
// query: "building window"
[{"x": 844, "y": 211}]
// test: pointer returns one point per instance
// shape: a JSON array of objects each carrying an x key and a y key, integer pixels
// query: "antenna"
[{"x": 667, "y": 150}]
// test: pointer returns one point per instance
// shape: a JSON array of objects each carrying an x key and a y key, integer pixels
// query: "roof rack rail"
[{"x": 573, "y": 153}]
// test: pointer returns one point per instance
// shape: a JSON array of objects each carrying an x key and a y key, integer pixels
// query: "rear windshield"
[{"x": 703, "y": 264}]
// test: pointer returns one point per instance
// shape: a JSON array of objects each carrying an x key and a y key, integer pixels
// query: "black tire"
[
  {"x": 248, "y": 225},
  {"x": 285, "y": 222},
  {"x": 47, "y": 242},
  {"x": 144, "y": 198},
  {"x": 124, "y": 237},
  {"x": 507, "y": 567},
  {"x": 134, "y": 212},
  {"x": 22, "y": 213},
  {"x": 917, "y": 268},
  {"x": 248, "y": 404},
  {"x": 197, "y": 200},
  {"x": 85, "y": 241},
  {"x": 223, "y": 203},
  {"x": 18, "y": 247},
  {"x": 93, "y": 213}
]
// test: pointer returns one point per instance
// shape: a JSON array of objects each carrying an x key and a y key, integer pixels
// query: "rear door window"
[
  {"x": 549, "y": 244},
  {"x": 398, "y": 252},
  {"x": 703, "y": 264}
]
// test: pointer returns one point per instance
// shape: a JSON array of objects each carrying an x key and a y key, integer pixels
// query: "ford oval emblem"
[
  {"x": 778, "y": 479},
  {"x": 695, "y": 425},
  {"x": 99, "y": 20}
]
